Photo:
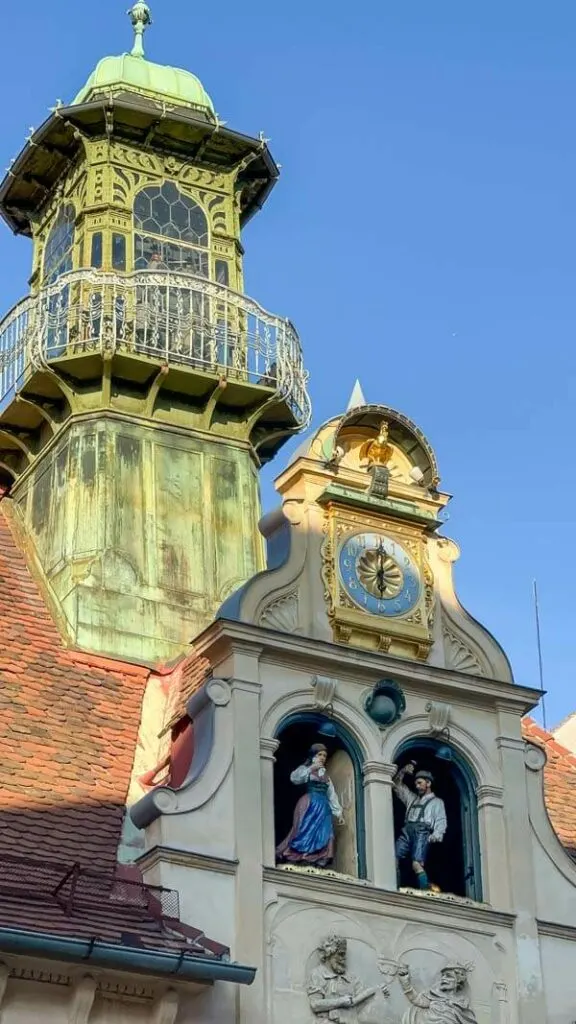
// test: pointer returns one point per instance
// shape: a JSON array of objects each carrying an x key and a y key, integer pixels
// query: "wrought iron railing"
[
  {"x": 178, "y": 318},
  {"x": 72, "y": 887}
]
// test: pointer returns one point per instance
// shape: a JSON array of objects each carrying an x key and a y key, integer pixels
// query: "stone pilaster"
[{"x": 381, "y": 862}]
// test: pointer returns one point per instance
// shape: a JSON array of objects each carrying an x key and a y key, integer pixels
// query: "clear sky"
[{"x": 422, "y": 238}]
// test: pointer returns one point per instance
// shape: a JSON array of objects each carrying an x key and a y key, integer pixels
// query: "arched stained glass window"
[
  {"x": 171, "y": 231},
  {"x": 58, "y": 252}
]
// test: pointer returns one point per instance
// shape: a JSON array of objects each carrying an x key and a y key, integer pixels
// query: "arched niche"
[
  {"x": 296, "y": 734},
  {"x": 455, "y": 864}
]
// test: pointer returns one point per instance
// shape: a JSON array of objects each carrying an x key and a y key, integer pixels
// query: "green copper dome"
[
  {"x": 128, "y": 73},
  {"x": 133, "y": 73}
]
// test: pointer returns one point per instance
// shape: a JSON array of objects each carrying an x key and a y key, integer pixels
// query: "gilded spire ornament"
[
  {"x": 378, "y": 451},
  {"x": 376, "y": 454},
  {"x": 141, "y": 17}
]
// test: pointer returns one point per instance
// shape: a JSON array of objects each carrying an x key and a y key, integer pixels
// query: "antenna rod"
[{"x": 539, "y": 643}]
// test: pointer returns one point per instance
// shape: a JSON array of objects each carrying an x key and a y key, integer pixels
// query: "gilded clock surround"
[{"x": 408, "y": 635}]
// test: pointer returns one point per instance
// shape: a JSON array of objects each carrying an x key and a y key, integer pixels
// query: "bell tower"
[{"x": 140, "y": 388}]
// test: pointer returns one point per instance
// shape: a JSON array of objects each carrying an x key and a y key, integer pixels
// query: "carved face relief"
[{"x": 451, "y": 980}]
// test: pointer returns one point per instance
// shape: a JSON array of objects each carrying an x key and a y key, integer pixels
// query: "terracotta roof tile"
[
  {"x": 559, "y": 783},
  {"x": 68, "y": 732},
  {"x": 68, "y": 728}
]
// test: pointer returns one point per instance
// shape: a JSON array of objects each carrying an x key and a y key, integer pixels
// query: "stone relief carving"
[
  {"x": 282, "y": 613},
  {"x": 459, "y": 656},
  {"x": 446, "y": 1002},
  {"x": 333, "y": 993}
]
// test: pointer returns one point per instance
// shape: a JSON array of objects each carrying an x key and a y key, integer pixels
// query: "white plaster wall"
[
  {"x": 32, "y": 1002},
  {"x": 208, "y": 829},
  {"x": 559, "y": 963},
  {"x": 555, "y": 893}
]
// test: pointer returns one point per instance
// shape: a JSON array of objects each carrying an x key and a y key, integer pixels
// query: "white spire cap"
[{"x": 356, "y": 398}]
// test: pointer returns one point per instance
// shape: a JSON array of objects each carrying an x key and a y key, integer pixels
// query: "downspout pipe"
[{"x": 183, "y": 966}]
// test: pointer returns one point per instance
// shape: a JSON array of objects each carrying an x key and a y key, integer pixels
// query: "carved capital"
[
  {"x": 490, "y": 796},
  {"x": 268, "y": 748},
  {"x": 378, "y": 772}
]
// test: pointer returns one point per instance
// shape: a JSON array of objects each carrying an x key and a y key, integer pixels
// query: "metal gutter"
[{"x": 184, "y": 966}]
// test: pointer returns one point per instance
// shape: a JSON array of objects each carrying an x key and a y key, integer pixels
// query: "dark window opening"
[
  {"x": 343, "y": 766},
  {"x": 454, "y": 864},
  {"x": 222, "y": 273},
  {"x": 96, "y": 252},
  {"x": 119, "y": 252},
  {"x": 60, "y": 245}
]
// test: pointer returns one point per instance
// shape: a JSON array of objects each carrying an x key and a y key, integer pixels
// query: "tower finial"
[
  {"x": 140, "y": 16},
  {"x": 356, "y": 398}
]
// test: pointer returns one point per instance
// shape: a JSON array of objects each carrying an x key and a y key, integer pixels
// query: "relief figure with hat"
[{"x": 424, "y": 823}]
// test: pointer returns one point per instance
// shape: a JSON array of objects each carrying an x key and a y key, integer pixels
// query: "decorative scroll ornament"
[
  {"x": 459, "y": 656},
  {"x": 324, "y": 690},
  {"x": 282, "y": 613},
  {"x": 438, "y": 716}
]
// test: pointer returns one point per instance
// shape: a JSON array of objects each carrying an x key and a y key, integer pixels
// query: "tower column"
[{"x": 381, "y": 862}]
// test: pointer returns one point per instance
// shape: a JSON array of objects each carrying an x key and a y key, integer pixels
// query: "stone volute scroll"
[
  {"x": 447, "y": 1001},
  {"x": 335, "y": 994}
]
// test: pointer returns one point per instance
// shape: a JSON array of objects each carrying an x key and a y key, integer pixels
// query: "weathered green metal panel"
[
  {"x": 180, "y": 510},
  {"x": 141, "y": 531}
]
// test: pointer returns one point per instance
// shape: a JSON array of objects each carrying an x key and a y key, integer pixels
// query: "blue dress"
[{"x": 311, "y": 838}]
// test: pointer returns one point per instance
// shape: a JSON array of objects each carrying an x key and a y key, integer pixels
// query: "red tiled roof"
[
  {"x": 68, "y": 729},
  {"x": 559, "y": 783},
  {"x": 58, "y": 899}
]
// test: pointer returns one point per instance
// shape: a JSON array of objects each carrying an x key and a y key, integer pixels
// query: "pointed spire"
[
  {"x": 140, "y": 16},
  {"x": 356, "y": 398}
]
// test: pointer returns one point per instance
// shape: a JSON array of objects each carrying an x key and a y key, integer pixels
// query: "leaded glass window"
[
  {"x": 58, "y": 252},
  {"x": 171, "y": 231}
]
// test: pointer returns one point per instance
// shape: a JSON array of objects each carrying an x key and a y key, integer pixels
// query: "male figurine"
[
  {"x": 446, "y": 1003},
  {"x": 425, "y": 821},
  {"x": 334, "y": 994}
]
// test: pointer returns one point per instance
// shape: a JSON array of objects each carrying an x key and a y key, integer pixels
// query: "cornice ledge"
[
  {"x": 362, "y": 892},
  {"x": 187, "y": 859},
  {"x": 224, "y": 636},
  {"x": 511, "y": 743},
  {"x": 556, "y": 930}
]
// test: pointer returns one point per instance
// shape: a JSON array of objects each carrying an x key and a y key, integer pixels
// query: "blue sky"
[{"x": 422, "y": 238}]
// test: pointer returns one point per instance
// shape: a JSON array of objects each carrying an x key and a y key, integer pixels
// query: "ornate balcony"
[{"x": 195, "y": 329}]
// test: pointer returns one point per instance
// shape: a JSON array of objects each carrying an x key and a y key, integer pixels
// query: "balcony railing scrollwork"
[{"x": 178, "y": 318}]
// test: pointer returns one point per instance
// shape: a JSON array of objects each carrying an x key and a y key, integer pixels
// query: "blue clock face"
[{"x": 378, "y": 574}]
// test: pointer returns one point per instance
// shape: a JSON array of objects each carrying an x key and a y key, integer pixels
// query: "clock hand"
[{"x": 380, "y": 581}]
